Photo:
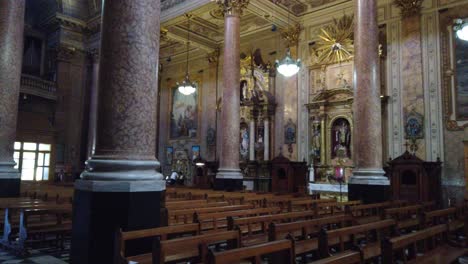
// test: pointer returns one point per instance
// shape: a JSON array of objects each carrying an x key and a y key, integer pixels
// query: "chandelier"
[
  {"x": 288, "y": 66},
  {"x": 187, "y": 87},
  {"x": 461, "y": 29}
]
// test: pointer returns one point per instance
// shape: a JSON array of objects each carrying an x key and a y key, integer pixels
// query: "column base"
[
  {"x": 10, "y": 180},
  {"x": 101, "y": 207},
  {"x": 369, "y": 193},
  {"x": 369, "y": 186},
  {"x": 228, "y": 180},
  {"x": 229, "y": 185}
]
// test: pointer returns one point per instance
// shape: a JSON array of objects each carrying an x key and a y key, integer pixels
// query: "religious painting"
[
  {"x": 341, "y": 139},
  {"x": 339, "y": 76},
  {"x": 244, "y": 141},
  {"x": 290, "y": 132},
  {"x": 195, "y": 152},
  {"x": 184, "y": 115},
  {"x": 414, "y": 125},
  {"x": 211, "y": 137},
  {"x": 461, "y": 85},
  {"x": 169, "y": 155}
]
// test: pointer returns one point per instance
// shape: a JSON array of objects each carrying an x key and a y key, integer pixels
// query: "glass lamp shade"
[
  {"x": 288, "y": 67},
  {"x": 462, "y": 32},
  {"x": 186, "y": 87}
]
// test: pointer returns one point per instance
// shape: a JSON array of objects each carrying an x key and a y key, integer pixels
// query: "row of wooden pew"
[
  {"x": 27, "y": 222},
  {"x": 212, "y": 227}
]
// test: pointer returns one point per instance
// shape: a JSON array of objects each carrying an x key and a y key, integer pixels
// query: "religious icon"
[
  {"x": 195, "y": 152},
  {"x": 414, "y": 127},
  {"x": 341, "y": 139},
  {"x": 211, "y": 137},
  {"x": 169, "y": 155},
  {"x": 316, "y": 138},
  {"x": 290, "y": 132},
  {"x": 243, "y": 91},
  {"x": 244, "y": 141}
]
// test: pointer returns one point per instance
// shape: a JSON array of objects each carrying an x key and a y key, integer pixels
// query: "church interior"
[{"x": 233, "y": 131}]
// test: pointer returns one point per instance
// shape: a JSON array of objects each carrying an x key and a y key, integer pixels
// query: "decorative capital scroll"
[
  {"x": 163, "y": 34},
  {"x": 213, "y": 56},
  {"x": 409, "y": 8},
  {"x": 291, "y": 34},
  {"x": 232, "y": 7}
]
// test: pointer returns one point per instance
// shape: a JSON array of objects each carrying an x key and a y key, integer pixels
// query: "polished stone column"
[
  {"x": 229, "y": 176},
  {"x": 252, "y": 140},
  {"x": 266, "y": 139},
  {"x": 121, "y": 187},
  {"x": 368, "y": 181},
  {"x": 93, "y": 103},
  {"x": 11, "y": 54}
]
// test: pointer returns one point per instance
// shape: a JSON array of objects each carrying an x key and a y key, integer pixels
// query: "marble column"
[
  {"x": 229, "y": 176},
  {"x": 11, "y": 54},
  {"x": 94, "y": 56},
  {"x": 368, "y": 182},
  {"x": 121, "y": 187},
  {"x": 252, "y": 140},
  {"x": 266, "y": 139}
]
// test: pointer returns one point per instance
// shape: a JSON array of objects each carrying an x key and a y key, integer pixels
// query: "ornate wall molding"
[
  {"x": 432, "y": 93},
  {"x": 395, "y": 114}
]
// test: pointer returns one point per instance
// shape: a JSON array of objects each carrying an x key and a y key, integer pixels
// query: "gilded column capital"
[
  {"x": 409, "y": 8},
  {"x": 291, "y": 34},
  {"x": 232, "y": 7}
]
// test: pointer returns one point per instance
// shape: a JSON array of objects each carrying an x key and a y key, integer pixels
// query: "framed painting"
[
  {"x": 195, "y": 152},
  {"x": 184, "y": 117}
]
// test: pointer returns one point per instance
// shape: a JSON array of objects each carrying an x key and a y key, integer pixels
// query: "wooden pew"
[
  {"x": 164, "y": 233},
  {"x": 424, "y": 246},
  {"x": 215, "y": 221},
  {"x": 367, "y": 237},
  {"x": 455, "y": 219},
  {"x": 186, "y": 204},
  {"x": 191, "y": 249},
  {"x": 255, "y": 229},
  {"x": 185, "y": 216},
  {"x": 280, "y": 252},
  {"x": 366, "y": 213},
  {"x": 307, "y": 204},
  {"x": 408, "y": 218},
  {"x": 346, "y": 257},
  {"x": 305, "y": 233}
]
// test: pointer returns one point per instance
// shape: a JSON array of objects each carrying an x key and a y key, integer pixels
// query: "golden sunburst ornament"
[{"x": 336, "y": 41}]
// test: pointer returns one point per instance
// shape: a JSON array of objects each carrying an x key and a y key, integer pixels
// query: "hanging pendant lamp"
[
  {"x": 187, "y": 87},
  {"x": 461, "y": 29},
  {"x": 288, "y": 66}
]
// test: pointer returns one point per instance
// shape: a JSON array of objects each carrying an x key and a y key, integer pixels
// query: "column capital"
[
  {"x": 409, "y": 8},
  {"x": 232, "y": 7},
  {"x": 292, "y": 34}
]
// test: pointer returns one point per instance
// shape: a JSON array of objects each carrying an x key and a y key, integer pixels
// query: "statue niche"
[{"x": 341, "y": 139}]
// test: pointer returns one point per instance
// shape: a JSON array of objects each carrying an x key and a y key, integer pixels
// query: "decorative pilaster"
[
  {"x": 266, "y": 139},
  {"x": 94, "y": 91},
  {"x": 11, "y": 50},
  {"x": 368, "y": 182},
  {"x": 229, "y": 175},
  {"x": 252, "y": 140},
  {"x": 121, "y": 187}
]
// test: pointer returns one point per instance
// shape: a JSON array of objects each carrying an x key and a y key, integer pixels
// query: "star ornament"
[{"x": 335, "y": 43}]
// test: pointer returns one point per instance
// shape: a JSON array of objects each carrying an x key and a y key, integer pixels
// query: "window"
[{"x": 32, "y": 160}]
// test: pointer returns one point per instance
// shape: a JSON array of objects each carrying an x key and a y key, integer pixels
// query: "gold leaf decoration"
[
  {"x": 409, "y": 7},
  {"x": 336, "y": 41}
]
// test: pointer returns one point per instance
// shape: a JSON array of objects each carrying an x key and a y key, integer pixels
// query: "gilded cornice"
[
  {"x": 232, "y": 7},
  {"x": 409, "y": 8}
]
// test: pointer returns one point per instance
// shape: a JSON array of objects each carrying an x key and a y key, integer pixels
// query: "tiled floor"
[{"x": 46, "y": 255}]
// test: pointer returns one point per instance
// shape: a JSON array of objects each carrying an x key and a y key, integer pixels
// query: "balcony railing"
[{"x": 36, "y": 86}]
